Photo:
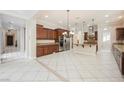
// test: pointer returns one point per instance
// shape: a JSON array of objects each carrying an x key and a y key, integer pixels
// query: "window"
[{"x": 106, "y": 36}]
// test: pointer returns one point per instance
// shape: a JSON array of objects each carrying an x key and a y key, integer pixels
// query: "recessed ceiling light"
[
  {"x": 69, "y": 25},
  {"x": 46, "y": 16},
  {"x": 119, "y": 17},
  {"x": 106, "y": 15},
  {"x": 105, "y": 29}
]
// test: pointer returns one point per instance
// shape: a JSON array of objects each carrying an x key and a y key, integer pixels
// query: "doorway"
[{"x": 106, "y": 40}]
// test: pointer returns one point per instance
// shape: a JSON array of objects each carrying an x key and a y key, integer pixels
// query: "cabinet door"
[
  {"x": 56, "y": 37},
  {"x": 50, "y": 49},
  {"x": 56, "y": 48},
  {"x": 44, "y": 34},
  {"x": 40, "y": 51},
  {"x": 120, "y": 34},
  {"x": 51, "y": 34},
  {"x": 61, "y": 33},
  {"x": 39, "y": 33},
  {"x": 46, "y": 50}
]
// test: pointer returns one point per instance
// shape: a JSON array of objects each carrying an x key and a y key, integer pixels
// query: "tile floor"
[{"x": 75, "y": 65}]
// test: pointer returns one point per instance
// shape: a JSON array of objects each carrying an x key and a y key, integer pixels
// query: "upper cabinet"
[
  {"x": 120, "y": 34},
  {"x": 49, "y": 34},
  {"x": 41, "y": 32},
  {"x": 45, "y": 33},
  {"x": 39, "y": 29},
  {"x": 60, "y": 32}
]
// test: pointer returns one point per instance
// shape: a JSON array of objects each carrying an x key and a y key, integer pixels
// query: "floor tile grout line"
[
  {"x": 78, "y": 72},
  {"x": 52, "y": 71}
]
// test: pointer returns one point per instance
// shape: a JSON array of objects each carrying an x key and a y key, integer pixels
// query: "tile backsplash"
[{"x": 45, "y": 41}]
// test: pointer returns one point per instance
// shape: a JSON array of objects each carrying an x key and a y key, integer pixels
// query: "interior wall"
[
  {"x": 31, "y": 38},
  {"x": 1, "y": 41},
  {"x": 0, "y": 44},
  {"x": 100, "y": 29}
]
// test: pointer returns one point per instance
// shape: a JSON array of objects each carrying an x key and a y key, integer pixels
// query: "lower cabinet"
[
  {"x": 40, "y": 51},
  {"x": 46, "y": 49},
  {"x": 119, "y": 57}
]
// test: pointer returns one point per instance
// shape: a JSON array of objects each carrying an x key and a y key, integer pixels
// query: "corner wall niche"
[{"x": 10, "y": 39}]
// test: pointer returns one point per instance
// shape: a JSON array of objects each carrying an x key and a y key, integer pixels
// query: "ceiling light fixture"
[
  {"x": 68, "y": 19},
  {"x": 71, "y": 33},
  {"x": 11, "y": 26},
  {"x": 46, "y": 16},
  {"x": 105, "y": 29},
  {"x": 106, "y": 15},
  {"x": 120, "y": 17}
]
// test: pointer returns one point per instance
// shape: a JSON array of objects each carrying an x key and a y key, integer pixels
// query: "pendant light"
[
  {"x": 11, "y": 26},
  {"x": 67, "y": 25},
  {"x": 71, "y": 33},
  {"x": 68, "y": 20}
]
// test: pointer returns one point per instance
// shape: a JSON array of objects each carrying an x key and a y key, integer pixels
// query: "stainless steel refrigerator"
[{"x": 64, "y": 43}]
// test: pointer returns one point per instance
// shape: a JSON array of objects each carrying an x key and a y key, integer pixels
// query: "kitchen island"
[{"x": 118, "y": 52}]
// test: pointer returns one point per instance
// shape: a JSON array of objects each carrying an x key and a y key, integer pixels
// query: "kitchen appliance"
[{"x": 64, "y": 43}]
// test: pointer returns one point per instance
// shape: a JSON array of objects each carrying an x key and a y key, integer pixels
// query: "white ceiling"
[
  {"x": 59, "y": 17},
  {"x": 78, "y": 16},
  {"x": 24, "y": 14},
  {"x": 5, "y": 21},
  {"x": 17, "y": 17}
]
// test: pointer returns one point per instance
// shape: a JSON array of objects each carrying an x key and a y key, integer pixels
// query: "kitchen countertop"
[
  {"x": 119, "y": 47},
  {"x": 44, "y": 44}
]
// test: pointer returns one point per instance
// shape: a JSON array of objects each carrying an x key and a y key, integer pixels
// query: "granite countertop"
[
  {"x": 119, "y": 47},
  {"x": 44, "y": 44}
]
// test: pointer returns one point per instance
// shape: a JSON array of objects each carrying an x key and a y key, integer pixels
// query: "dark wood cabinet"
[
  {"x": 96, "y": 35},
  {"x": 46, "y": 33},
  {"x": 40, "y": 51},
  {"x": 56, "y": 48},
  {"x": 41, "y": 32},
  {"x": 55, "y": 35},
  {"x": 85, "y": 35},
  {"x": 119, "y": 33},
  {"x": 59, "y": 32},
  {"x": 51, "y": 34},
  {"x": 47, "y": 49}
]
